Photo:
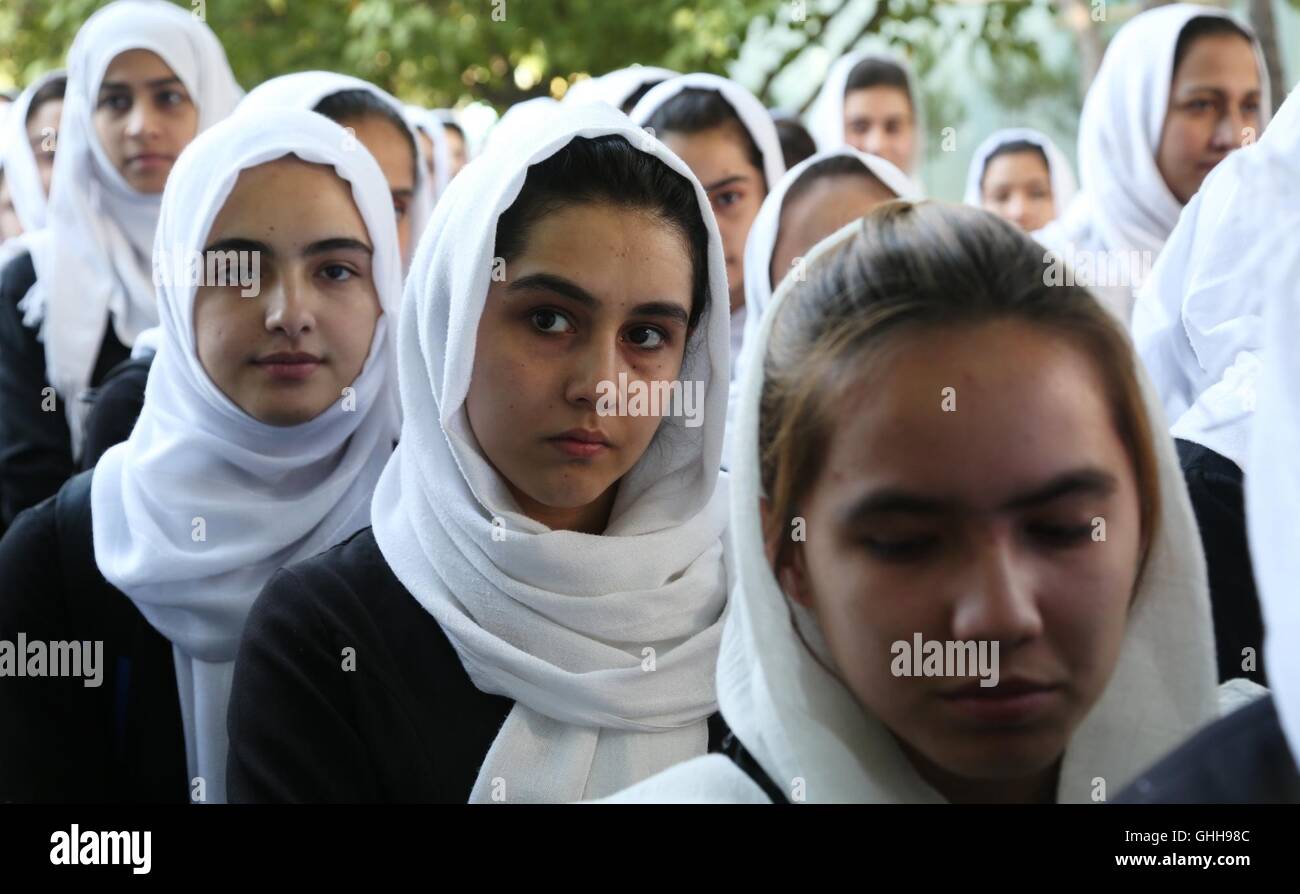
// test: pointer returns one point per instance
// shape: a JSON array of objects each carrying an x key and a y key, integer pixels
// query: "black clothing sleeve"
[
  {"x": 1240, "y": 759},
  {"x": 35, "y": 443},
  {"x": 60, "y": 740},
  {"x": 1214, "y": 484}
]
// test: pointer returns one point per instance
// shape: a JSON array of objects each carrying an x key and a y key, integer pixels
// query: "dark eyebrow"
[
  {"x": 338, "y": 243},
  {"x": 569, "y": 289},
  {"x": 150, "y": 85},
  {"x": 891, "y": 501},
  {"x": 726, "y": 181},
  {"x": 238, "y": 244}
]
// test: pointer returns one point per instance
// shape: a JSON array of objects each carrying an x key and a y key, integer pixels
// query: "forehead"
[
  {"x": 289, "y": 201},
  {"x": 876, "y": 102},
  {"x": 134, "y": 66},
  {"x": 616, "y": 254},
  {"x": 1218, "y": 60},
  {"x": 713, "y": 154},
  {"x": 1015, "y": 166},
  {"x": 388, "y": 145},
  {"x": 1029, "y": 404}
]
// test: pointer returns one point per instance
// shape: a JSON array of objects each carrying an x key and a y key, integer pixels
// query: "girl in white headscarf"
[
  {"x": 729, "y": 140},
  {"x": 1199, "y": 328},
  {"x": 27, "y": 139},
  {"x": 870, "y": 101},
  {"x": 269, "y": 414},
  {"x": 992, "y": 479},
  {"x": 1020, "y": 175},
  {"x": 1180, "y": 87},
  {"x": 1253, "y": 755},
  {"x": 535, "y": 614},
  {"x": 378, "y": 122},
  {"x": 144, "y": 77}
]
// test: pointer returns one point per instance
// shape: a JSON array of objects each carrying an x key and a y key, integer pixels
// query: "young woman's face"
[
  {"x": 285, "y": 355},
  {"x": 879, "y": 121},
  {"x": 144, "y": 117},
  {"x": 43, "y": 135},
  {"x": 456, "y": 149},
  {"x": 391, "y": 149},
  {"x": 735, "y": 187},
  {"x": 1214, "y": 105},
  {"x": 974, "y": 524},
  {"x": 1018, "y": 187},
  {"x": 828, "y": 204},
  {"x": 597, "y": 292}
]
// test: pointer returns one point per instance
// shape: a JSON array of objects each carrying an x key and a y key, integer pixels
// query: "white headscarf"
[
  {"x": 1198, "y": 324},
  {"x": 1124, "y": 204},
  {"x": 430, "y": 123},
  {"x": 754, "y": 117},
  {"x": 557, "y": 620},
  {"x": 305, "y": 89},
  {"x": 616, "y": 86},
  {"x": 267, "y": 495},
  {"x": 1273, "y": 492},
  {"x": 825, "y": 119},
  {"x": 18, "y": 163},
  {"x": 521, "y": 123},
  {"x": 1059, "y": 171},
  {"x": 799, "y": 722},
  {"x": 93, "y": 261}
]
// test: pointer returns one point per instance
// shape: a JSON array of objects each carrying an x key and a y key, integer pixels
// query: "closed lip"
[
  {"x": 1013, "y": 687},
  {"x": 583, "y": 435},
  {"x": 287, "y": 359},
  {"x": 150, "y": 156}
]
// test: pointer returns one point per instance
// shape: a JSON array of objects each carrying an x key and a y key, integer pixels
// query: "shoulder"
[
  {"x": 709, "y": 779},
  {"x": 1241, "y": 758}
]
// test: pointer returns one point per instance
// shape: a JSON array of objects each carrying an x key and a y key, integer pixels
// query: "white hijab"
[
  {"x": 825, "y": 118},
  {"x": 305, "y": 89},
  {"x": 1199, "y": 324},
  {"x": 267, "y": 495},
  {"x": 430, "y": 123},
  {"x": 93, "y": 260},
  {"x": 521, "y": 123},
  {"x": 799, "y": 722},
  {"x": 18, "y": 163},
  {"x": 616, "y": 86},
  {"x": 754, "y": 117},
  {"x": 1059, "y": 171},
  {"x": 1124, "y": 204},
  {"x": 557, "y": 620},
  {"x": 1273, "y": 493}
]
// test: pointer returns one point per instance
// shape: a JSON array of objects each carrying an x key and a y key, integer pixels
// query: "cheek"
[{"x": 109, "y": 134}]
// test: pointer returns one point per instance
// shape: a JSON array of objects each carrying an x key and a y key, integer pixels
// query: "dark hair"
[
  {"x": 695, "y": 110},
  {"x": 915, "y": 267},
  {"x": 796, "y": 143},
  {"x": 1014, "y": 147},
  {"x": 55, "y": 89},
  {"x": 876, "y": 72},
  {"x": 1205, "y": 26},
  {"x": 452, "y": 125},
  {"x": 358, "y": 104},
  {"x": 635, "y": 96},
  {"x": 835, "y": 166},
  {"x": 608, "y": 170}
]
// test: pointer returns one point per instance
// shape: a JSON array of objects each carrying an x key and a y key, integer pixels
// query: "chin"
[{"x": 1001, "y": 757}]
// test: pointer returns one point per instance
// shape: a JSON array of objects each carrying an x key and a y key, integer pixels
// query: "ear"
[{"x": 791, "y": 573}]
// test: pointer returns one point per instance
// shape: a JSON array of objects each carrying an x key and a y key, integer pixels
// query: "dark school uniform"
[
  {"x": 1239, "y": 759},
  {"x": 60, "y": 740},
  {"x": 116, "y": 406},
  {"x": 1214, "y": 484},
  {"x": 35, "y": 443},
  {"x": 347, "y": 690}
]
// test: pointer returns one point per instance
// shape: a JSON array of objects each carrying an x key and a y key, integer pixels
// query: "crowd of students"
[{"x": 304, "y": 422}]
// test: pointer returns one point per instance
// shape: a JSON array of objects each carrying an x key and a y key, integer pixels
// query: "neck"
[
  {"x": 592, "y": 518},
  {"x": 1036, "y": 788}
]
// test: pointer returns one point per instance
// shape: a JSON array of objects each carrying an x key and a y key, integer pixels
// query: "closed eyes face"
[
  {"x": 975, "y": 523},
  {"x": 597, "y": 293},
  {"x": 1214, "y": 105},
  {"x": 1018, "y": 188},
  {"x": 879, "y": 121},
  {"x": 144, "y": 116},
  {"x": 285, "y": 354},
  {"x": 735, "y": 188}
]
